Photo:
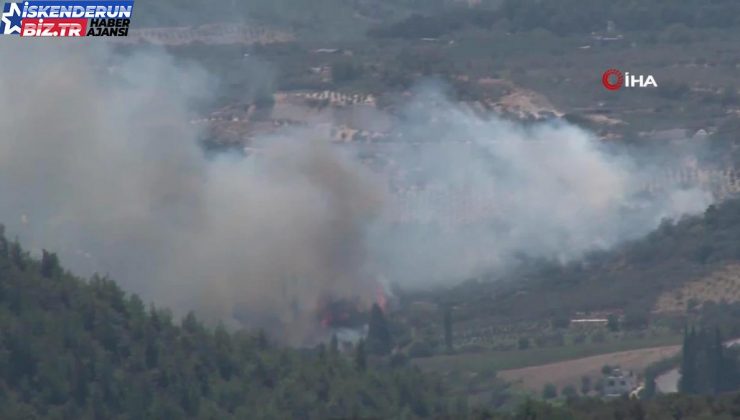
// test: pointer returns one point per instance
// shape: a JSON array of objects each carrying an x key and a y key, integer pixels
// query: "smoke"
[
  {"x": 478, "y": 193},
  {"x": 104, "y": 167},
  {"x": 99, "y": 163}
]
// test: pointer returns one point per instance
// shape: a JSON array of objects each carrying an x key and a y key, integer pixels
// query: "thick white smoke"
[
  {"x": 480, "y": 191},
  {"x": 99, "y": 163}
]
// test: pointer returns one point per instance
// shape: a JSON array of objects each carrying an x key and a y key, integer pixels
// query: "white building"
[{"x": 619, "y": 383}]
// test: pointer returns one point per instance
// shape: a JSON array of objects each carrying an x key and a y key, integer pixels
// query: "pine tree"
[
  {"x": 3, "y": 242},
  {"x": 688, "y": 383},
  {"x": 650, "y": 385},
  {"x": 378, "y": 335},
  {"x": 321, "y": 352},
  {"x": 334, "y": 347},
  {"x": 15, "y": 253},
  {"x": 585, "y": 384},
  {"x": 262, "y": 341},
  {"x": 360, "y": 356},
  {"x": 49, "y": 264},
  {"x": 717, "y": 362}
]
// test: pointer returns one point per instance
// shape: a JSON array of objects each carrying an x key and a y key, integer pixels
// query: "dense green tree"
[
  {"x": 569, "y": 391},
  {"x": 3, "y": 242},
  {"x": 378, "y": 335},
  {"x": 333, "y": 346},
  {"x": 49, "y": 263},
  {"x": 360, "y": 356},
  {"x": 689, "y": 381},
  {"x": 707, "y": 366},
  {"x": 717, "y": 363},
  {"x": 549, "y": 391},
  {"x": 586, "y": 385},
  {"x": 612, "y": 323},
  {"x": 16, "y": 255},
  {"x": 523, "y": 343},
  {"x": 84, "y": 349}
]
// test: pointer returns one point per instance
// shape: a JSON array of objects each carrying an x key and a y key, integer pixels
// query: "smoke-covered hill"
[
  {"x": 73, "y": 349},
  {"x": 631, "y": 277}
]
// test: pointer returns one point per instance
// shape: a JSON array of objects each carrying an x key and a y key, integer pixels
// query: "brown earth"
[{"x": 570, "y": 372}]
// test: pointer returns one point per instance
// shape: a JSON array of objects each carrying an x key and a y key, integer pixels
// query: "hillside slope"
[
  {"x": 71, "y": 349},
  {"x": 631, "y": 277}
]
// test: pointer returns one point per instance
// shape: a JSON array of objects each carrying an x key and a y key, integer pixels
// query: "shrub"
[
  {"x": 523, "y": 343},
  {"x": 549, "y": 391},
  {"x": 570, "y": 391}
]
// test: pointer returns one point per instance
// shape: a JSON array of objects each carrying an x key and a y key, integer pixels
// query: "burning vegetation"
[{"x": 342, "y": 313}]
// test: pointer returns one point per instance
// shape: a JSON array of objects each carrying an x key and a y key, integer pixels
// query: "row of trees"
[
  {"x": 707, "y": 366},
  {"x": 569, "y": 17},
  {"x": 573, "y": 16}
]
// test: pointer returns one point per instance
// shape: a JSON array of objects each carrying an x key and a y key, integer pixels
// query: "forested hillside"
[
  {"x": 630, "y": 277},
  {"x": 568, "y": 17},
  {"x": 71, "y": 349}
]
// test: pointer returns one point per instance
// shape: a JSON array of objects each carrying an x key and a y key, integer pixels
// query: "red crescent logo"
[{"x": 609, "y": 85}]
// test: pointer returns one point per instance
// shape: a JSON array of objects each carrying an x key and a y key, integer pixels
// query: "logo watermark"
[
  {"x": 67, "y": 18},
  {"x": 614, "y": 79}
]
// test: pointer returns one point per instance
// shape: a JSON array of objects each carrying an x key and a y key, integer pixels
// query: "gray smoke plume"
[
  {"x": 479, "y": 192},
  {"x": 99, "y": 163}
]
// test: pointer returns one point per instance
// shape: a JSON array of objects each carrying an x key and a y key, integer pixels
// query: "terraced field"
[{"x": 721, "y": 285}]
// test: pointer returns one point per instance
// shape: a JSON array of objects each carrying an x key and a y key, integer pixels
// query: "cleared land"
[
  {"x": 529, "y": 370},
  {"x": 515, "y": 359},
  {"x": 571, "y": 371}
]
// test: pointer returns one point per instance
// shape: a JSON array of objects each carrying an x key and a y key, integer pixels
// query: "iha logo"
[{"x": 613, "y": 79}]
